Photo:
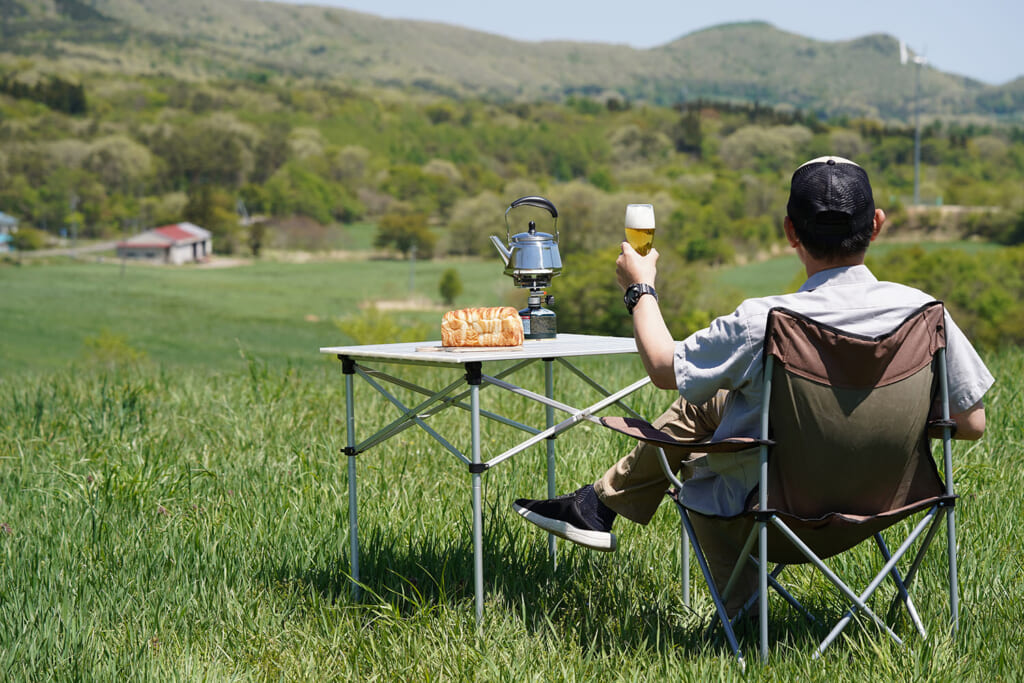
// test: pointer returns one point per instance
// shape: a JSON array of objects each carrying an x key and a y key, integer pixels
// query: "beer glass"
[{"x": 640, "y": 227}]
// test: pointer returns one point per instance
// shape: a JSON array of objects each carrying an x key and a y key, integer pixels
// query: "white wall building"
[
  {"x": 8, "y": 224},
  {"x": 173, "y": 244}
]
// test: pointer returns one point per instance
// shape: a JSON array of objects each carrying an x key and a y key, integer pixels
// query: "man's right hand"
[
  {"x": 653, "y": 340},
  {"x": 631, "y": 267}
]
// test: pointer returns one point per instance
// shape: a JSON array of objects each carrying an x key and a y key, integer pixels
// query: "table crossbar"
[
  {"x": 575, "y": 418},
  {"x": 440, "y": 397},
  {"x": 504, "y": 373},
  {"x": 454, "y": 400},
  {"x": 408, "y": 418},
  {"x": 594, "y": 385},
  {"x": 532, "y": 395}
]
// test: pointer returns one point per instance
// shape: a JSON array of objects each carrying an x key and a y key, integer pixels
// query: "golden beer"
[
  {"x": 640, "y": 227},
  {"x": 641, "y": 240}
]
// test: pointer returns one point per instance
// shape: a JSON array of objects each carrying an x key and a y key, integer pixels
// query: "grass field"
[
  {"x": 183, "y": 515},
  {"x": 56, "y": 314}
]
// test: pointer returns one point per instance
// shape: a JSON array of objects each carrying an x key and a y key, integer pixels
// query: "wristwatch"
[{"x": 634, "y": 292}]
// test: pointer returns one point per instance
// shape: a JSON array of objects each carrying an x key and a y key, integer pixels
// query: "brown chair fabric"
[
  {"x": 849, "y": 417},
  {"x": 839, "y": 359},
  {"x": 849, "y": 450}
]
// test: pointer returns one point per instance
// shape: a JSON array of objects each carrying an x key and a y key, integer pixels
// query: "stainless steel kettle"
[{"x": 531, "y": 257}]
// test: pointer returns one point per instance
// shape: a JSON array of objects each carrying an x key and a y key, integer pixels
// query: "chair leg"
[
  {"x": 908, "y": 580},
  {"x": 858, "y": 601},
  {"x": 730, "y": 635},
  {"x": 925, "y": 544},
  {"x": 954, "y": 589},
  {"x": 783, "y": 593},
  {"x": 684, "y": 561},
  {"x": 741, "y": 559},
  {"x": 763, "y": 588},
  {"x": 901, "y": 588}
]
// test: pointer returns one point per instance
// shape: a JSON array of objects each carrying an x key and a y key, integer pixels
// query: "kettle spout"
[{"x": 502, "y": 249}]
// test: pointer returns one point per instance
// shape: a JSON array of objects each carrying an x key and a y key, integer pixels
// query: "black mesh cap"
[{"x": 830, "y": 197}]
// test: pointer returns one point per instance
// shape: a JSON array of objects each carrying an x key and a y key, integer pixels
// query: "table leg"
[
  {"x": 353, "y": 518},
  {"x": 549, "y": 391},
  {"x": 473, "y": 377}
]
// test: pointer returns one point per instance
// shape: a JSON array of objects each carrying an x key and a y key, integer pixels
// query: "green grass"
[
  {"x": 359, "y": 236},
  {"x": 182, "y": 514},
  {"x": 283, "y": 313},
  {"x": 193, "y": 525}
]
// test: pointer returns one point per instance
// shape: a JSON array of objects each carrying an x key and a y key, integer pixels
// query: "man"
[{"x": 831, "y": 219}]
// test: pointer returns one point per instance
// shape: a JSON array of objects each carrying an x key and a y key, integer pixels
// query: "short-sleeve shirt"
[{"x": 728, "y": 355}]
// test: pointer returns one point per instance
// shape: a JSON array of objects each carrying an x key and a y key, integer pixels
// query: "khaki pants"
[{"x": 635, "y": 486}]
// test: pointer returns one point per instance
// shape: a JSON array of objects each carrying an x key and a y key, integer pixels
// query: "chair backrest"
[{"x": 849, "y": 414}]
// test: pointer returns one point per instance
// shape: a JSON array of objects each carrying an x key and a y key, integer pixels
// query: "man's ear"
[
  {"x": 879, "y": 220},
  {"x": 790, "y": 229}
]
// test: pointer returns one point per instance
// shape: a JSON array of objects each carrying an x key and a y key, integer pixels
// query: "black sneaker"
[{"x": 579, "y": 517}]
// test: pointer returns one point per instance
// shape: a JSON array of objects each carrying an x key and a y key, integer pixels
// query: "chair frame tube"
[
  {"x": 769, "y": 368},
  {"x": 947, "y": 458}
]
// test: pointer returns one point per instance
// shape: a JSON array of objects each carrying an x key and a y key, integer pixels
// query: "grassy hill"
[{"x": 749, "y": 61}]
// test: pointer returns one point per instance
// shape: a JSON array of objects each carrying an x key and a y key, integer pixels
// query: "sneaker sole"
[{"x": 596, "y": 540}]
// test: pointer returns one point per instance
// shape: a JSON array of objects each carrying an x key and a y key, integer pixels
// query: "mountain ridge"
[{"x": 744, "y": 61}]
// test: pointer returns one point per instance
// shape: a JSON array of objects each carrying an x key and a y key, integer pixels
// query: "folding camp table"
[{"x": 550, "y": 351}]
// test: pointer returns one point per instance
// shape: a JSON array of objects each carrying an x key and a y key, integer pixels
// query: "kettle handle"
[{"x": 536, "y": 201}]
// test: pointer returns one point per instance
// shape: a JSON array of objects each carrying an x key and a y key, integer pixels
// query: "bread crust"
[{"x": 482, "y": 326}]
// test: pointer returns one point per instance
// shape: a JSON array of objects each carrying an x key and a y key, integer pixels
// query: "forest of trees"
[
  {"x": 125, "y": 154},
  {"x": 120, "y": 154}
]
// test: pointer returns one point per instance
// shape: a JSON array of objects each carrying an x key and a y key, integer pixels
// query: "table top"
[{"x": 562, "y": 346}]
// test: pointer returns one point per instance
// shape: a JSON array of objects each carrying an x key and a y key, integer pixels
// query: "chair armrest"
[{"x": 644, "y": 431}]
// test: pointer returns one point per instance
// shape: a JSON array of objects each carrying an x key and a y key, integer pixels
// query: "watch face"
[
  {"x": 633, "y": 294},
  {"x": 632, "y": 297}
]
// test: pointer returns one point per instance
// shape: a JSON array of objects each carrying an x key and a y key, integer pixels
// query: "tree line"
[
  {"x": 436, "y": 173},
  {"x": 145, "y": 148},
  {"x": 54, "y": 92}
]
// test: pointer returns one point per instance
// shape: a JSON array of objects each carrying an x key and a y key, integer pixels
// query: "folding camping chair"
[{"x": 844, "y": 454}]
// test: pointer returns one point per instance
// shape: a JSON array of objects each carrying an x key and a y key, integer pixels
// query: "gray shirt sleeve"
[
  {"x": 968, "y": 377},
  {"x": 721, "y": 356}
]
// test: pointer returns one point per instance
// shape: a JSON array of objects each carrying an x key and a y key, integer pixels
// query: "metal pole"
[
  {"x": 549, "y": 411},
  {"x": 473, "y": 376},
  {"x": 73, "y": 204},
  {"x": 917, "y": 135},
  {"x": 684, "y": 563},
  {"x": 348, "y": 366},
  {"x": 412, "y": 269},
  {"x": 947, "y": 461},
  {"x": 762, "y": 571}
]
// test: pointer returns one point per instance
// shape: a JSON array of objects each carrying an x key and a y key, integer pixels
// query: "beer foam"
[{"x": 640, "y": 216}]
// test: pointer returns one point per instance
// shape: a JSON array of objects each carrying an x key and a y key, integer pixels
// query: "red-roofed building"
[{"x": 174, "y": 244}]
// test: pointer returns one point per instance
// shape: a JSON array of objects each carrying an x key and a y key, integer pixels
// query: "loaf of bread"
[{"x": 494, "y": 326}]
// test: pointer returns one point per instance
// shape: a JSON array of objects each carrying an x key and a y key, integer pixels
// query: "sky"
[{"x": 981, "y": 39}]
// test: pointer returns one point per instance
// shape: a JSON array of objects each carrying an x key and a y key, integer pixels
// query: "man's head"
[{"x": 832, "y": 208}]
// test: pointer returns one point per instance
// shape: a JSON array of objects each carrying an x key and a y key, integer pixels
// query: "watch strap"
[{"x": 635, "y": 291}]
